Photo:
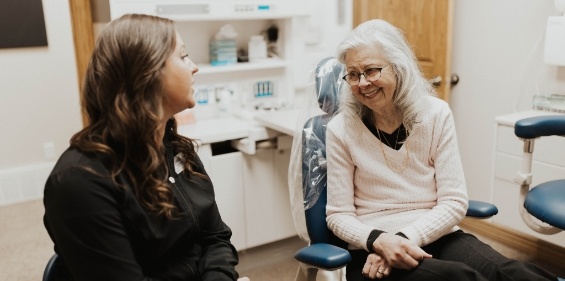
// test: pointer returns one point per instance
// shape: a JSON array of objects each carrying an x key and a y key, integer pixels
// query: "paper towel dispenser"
[{"x": 555, "y": 41}]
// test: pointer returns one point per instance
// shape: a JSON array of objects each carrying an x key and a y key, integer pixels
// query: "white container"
[{"x": 257, "y": 48}]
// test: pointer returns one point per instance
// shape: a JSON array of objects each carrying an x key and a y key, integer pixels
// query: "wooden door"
[{"x": 427, "y": 27}]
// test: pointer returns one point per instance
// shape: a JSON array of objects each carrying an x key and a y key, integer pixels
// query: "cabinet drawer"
[
  {"x": 508, "y": 142},
  {"x": 550, "y": 150},
  {"x": 507, "y": 165}
]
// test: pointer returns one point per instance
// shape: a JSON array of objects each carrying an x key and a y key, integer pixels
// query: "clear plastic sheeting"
[{"x": 308, "y": 171}]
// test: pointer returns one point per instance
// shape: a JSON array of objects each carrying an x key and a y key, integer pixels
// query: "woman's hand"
[
  {"x": 243, "y": 279},
  {"x": 398, "y": 251},
  {"x": 376, "y": 267}
]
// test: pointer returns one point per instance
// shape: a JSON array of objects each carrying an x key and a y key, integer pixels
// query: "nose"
[
  {"x": 194, "y": 67},
  {"x": 363, "y": 81}
]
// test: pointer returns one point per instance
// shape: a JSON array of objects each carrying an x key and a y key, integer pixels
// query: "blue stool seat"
[
  {"x": 546, "y": 202},
  {"x": 480, "y": 209},
  {"x": 322, "y": 255}
]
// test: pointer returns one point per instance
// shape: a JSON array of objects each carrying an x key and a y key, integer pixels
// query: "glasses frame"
[{"x": 380, "y": 74}]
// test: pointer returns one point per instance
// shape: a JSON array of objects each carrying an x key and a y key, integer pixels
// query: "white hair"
[{"x": 411, "y": 85}]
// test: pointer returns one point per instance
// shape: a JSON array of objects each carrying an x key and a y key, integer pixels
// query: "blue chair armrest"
[
  {"x": 324, "y": 256},
  {"x": 478, "y": 209},
  {"x": 540, "y": 126}
]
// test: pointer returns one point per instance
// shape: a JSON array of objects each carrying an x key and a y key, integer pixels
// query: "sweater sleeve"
[
  {"x": 450, "y": 184},
  {"x": 340, "y": 210}
]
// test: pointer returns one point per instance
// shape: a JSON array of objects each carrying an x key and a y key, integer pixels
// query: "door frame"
[{"x": 83, "y": 38}]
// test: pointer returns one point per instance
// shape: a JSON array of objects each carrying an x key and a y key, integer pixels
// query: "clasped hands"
[{"x": 392, "y": 251}]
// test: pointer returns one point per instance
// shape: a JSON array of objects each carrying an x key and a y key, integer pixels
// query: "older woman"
[
  {"x": 396, "y": 188},
  {"x": 130, "y": 199}
]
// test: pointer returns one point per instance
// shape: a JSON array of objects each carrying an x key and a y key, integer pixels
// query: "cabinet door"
[
  {"x": 284, "y": 227},
  {"x": 259, "y": 197},
  {"x": 227, "y": 177}
]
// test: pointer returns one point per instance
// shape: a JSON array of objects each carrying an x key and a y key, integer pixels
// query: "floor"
[{"x": 25, "y": 247}]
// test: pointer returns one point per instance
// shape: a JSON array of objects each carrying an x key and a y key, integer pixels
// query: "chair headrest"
[{"x": 328, "y": 84}]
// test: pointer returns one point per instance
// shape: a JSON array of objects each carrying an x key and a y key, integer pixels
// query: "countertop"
[
  {"x": 218, "y": 129},
  {"x": 254, "y": 126},
  {"x": 510, "y": 119}
]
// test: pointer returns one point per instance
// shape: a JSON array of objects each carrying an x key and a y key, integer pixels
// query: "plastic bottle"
[{"x": 257, "y": 48}]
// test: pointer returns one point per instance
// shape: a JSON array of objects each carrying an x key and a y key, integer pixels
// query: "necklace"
[
  {"x": 386, "y": 139},
  {"x": 388, "y": 163}
]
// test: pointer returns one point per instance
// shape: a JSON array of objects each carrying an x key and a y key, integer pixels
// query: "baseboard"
[
  {"x": 535, "y": 247},
  {"x": 24, "y": 183}
]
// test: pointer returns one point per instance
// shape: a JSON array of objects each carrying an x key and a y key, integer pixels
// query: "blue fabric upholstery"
[
  {"x": 547, "y": 203},
  {"x": 540, "y": 126}
]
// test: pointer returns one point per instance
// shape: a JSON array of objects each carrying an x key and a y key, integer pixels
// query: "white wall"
[
  {"x": 498, "y": 55},
  {"x": 497, "y": 52},
  {"x": 39, "y": 98}
]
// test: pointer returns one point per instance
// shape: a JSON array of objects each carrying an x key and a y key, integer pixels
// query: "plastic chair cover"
[{"x": 308, "y": 152}]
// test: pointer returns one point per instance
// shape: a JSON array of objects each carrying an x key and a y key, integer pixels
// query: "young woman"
[{"x": 130, "y": 199}]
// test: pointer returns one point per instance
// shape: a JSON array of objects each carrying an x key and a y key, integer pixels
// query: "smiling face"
[
  {"x": 177, "y": 78},
  {"x": 377, "y": 95}
]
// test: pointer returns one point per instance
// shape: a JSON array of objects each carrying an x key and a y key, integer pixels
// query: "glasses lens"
[
  {"x": 352, "y": 78},
  {"x": 373, "y": 74}
]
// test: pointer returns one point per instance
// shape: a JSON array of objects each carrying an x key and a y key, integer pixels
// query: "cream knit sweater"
[{"x": 424, "y": 201}]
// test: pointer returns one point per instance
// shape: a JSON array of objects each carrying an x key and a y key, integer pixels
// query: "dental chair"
[{"x": 325, "y": 251}]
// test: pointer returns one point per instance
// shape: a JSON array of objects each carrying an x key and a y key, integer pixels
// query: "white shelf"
[
  {"x": 228, "y": 17},
  {"x": 243, "y": 66}
]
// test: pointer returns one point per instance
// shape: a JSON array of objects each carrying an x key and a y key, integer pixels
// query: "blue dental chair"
[{"x": 326, "y": 251}]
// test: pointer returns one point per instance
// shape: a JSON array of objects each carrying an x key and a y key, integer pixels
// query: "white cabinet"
[
  {"x": 267, "y": 199},
  {"x": 251, "y": 192},
  {"x": 199, "y": 21},
  {"x": 227, "y": 177},
  {"x": 548, "y": 164}
]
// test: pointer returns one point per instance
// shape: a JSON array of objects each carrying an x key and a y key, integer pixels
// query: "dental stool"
[{"x": 546, "y": 201}]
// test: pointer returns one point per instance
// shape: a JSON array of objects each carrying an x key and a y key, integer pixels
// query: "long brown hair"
[{"x": 122, "y": 98}]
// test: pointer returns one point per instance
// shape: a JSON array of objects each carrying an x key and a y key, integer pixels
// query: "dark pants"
[{"x": 457, "y": 256}]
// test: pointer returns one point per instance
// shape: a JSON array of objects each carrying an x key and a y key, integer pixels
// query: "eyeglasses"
[{"x": 371, "y": 74}]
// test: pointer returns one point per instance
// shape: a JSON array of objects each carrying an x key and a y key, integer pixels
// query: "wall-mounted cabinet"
[{"x": 199, "y": 22}]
